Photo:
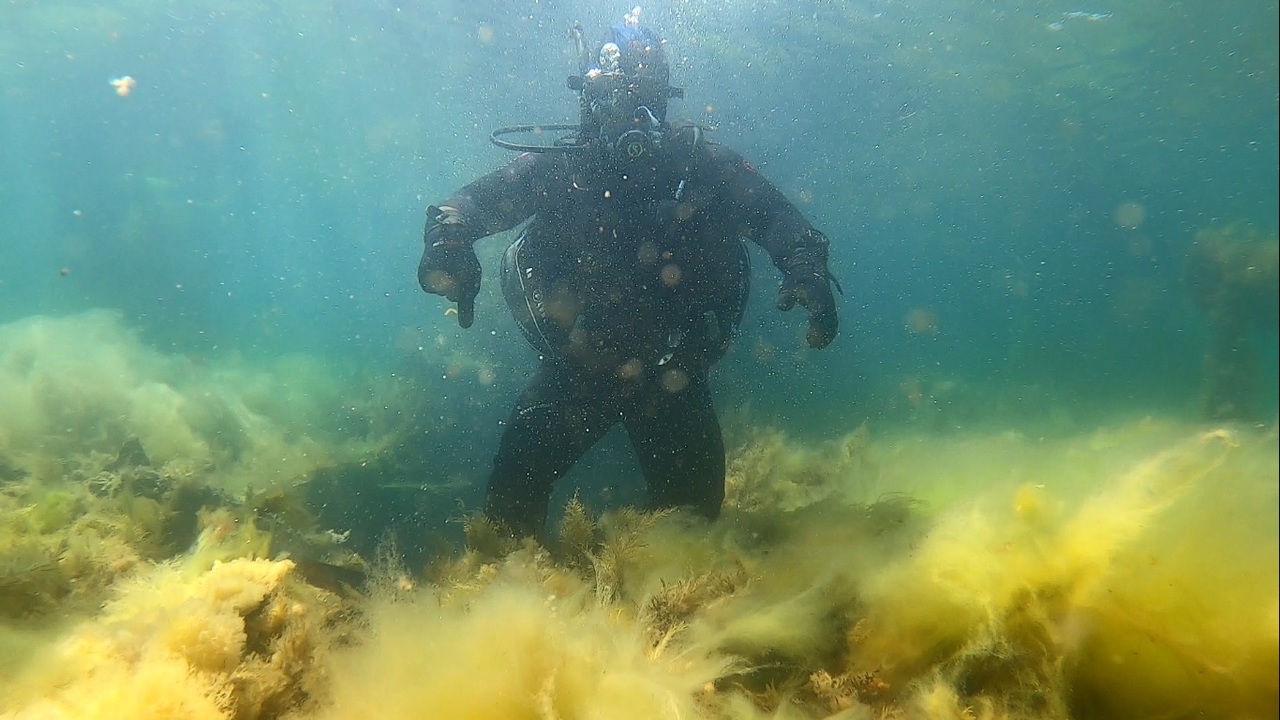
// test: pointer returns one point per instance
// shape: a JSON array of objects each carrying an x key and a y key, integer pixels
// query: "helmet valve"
[{"x": 610, "y": 60}]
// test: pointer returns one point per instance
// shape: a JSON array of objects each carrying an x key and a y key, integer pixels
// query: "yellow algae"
[
  {"x": 513, "y": 651},
  {"x": 1127, "y": 571},
  {"x": 238, "y": 423},
  {"x": 172, "y": 645}
]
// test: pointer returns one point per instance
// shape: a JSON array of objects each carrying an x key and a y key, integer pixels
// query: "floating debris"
[{"x": 1058, "y": 25}]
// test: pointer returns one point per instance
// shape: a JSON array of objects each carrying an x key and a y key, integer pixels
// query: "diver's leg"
[
  {"x": 676, "y": 436},
  {"x": 558, "y": 417}
]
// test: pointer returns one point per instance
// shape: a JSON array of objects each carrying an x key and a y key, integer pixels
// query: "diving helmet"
[
  {"x": 624, "y": 90},
  {"x": 623, "y": 87}
]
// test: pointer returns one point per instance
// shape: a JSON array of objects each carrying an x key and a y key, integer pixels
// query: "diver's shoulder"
[
  {"x": 534, "y": 161},
  {"x": 532, "y": 165},
  {"x": 696, "y": 139}
]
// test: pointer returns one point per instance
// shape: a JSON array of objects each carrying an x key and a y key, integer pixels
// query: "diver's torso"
[{"x": 636, "y": 265}]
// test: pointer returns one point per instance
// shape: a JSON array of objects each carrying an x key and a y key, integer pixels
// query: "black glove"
[
  {"x": 813, "y": 291},
  {"x": 449, "y": 265}
]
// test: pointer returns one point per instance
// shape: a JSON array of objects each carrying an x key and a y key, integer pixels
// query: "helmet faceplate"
[{"x": 624, "y": 95}]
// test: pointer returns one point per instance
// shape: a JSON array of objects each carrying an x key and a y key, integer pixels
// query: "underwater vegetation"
[
  {"x": 77, "y": 388},
  {"x": 1126, "y": 571},
  {"x": 1085, "y": 580}
]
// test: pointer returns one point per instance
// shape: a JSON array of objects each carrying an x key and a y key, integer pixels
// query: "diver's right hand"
[
  {"x": 813, "y": 291},
  {"x": 450, "y": 268}
]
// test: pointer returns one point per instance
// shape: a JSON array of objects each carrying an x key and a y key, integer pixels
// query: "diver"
[{"x": 629, "y": 280}]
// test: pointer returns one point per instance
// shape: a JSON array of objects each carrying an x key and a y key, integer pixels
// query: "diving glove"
[
  {"x": 813, "y": 292},
  {"x": 449, "y": 264},
  {"x": 807, "y": 281}
]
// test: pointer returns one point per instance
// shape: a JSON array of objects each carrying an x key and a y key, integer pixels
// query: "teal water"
[{"x": 1012, "y": 191}]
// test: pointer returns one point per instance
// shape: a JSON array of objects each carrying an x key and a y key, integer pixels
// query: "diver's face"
[{"x": 619, "y": 104}]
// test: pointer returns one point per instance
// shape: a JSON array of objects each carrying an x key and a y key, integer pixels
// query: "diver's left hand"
[{"x": 813, "y": 291}]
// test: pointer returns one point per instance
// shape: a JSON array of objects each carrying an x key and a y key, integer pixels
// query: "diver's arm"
[
  {"x": 496, "y": 202},
  {"x": 797, "y": 248},
  {"x": 764, "y": 214}
]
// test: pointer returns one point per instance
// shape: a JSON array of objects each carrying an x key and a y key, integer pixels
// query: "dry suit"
[{"x": 629, "y": 278}]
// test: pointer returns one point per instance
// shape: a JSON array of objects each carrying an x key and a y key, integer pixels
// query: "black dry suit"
[{"x": 629, "y": 280}]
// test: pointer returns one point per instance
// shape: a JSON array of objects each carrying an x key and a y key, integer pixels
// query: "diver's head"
[{"x": 624, "y": 90}]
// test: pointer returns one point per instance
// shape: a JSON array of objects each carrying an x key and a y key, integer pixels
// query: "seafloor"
[{"x": 159, "y": 559}]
